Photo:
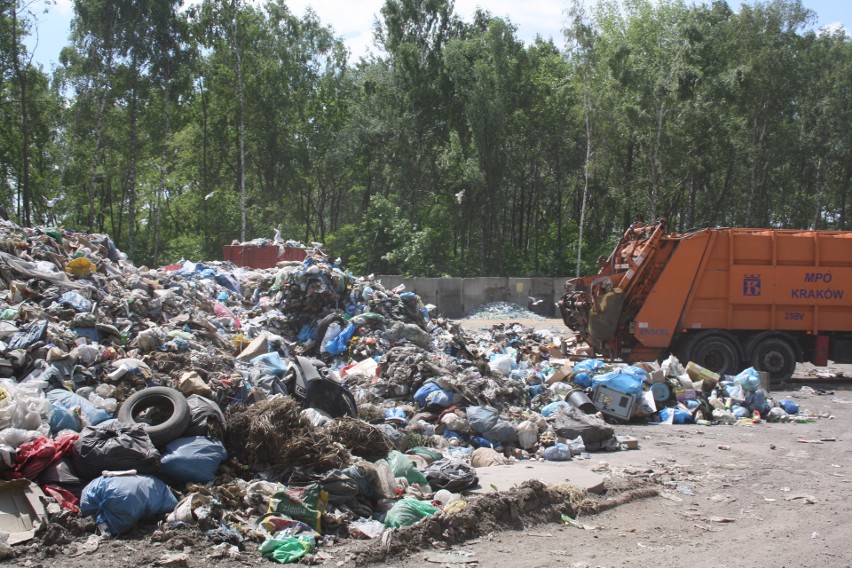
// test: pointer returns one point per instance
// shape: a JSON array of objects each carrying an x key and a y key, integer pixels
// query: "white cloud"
[
  {"x": 353, "y": 19},
  {"x": 65, "y": 7},
  {"x": 835, "y": 27}
]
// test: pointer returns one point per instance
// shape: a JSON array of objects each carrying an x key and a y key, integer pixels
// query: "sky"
[{"x": 352, "y": 20}]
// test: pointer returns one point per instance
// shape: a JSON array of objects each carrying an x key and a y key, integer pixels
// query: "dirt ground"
[{"x": 699, "y": 496}]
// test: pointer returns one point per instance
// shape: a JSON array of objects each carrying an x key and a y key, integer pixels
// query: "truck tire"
[
  {"x": 775, "y": 356},
  {"x": 716, "y": 353},
  {"x": 162, "y": 411}
]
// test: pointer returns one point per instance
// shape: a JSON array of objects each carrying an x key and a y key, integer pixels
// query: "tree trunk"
[
  {"x": 162, "y": 183},
  {"x": 132, "y": 158},
  {"x": 241, "y": 126},
  {"x": 586, "y": 171},
  {"x": 21, "y": 76}
]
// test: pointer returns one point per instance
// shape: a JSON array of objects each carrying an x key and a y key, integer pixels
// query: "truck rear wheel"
[
  {"x": 716, "y": 353},
  {"x": 775, "y": 356}
]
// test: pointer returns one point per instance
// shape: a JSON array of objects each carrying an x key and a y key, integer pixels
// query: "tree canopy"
[{"x": 456, "y": 150}]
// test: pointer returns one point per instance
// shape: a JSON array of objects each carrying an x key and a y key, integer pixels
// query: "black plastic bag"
[
  {"x": 206, "y": 418},
  {"x": 571, "y": 422},
  {"x": 114, "y": 447},
  {"x": 452, "y": 475}
]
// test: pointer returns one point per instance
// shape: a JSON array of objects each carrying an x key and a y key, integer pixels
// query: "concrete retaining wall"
[{"x": 457, "y": 296}]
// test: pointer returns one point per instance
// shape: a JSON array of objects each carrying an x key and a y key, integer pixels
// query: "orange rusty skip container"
[{"x": 724, "y": 298}]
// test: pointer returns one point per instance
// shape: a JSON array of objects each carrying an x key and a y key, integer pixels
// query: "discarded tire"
[{"x": 162, "y": 411}]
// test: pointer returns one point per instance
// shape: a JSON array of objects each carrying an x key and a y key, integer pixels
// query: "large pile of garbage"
[{"x": 281, "y": 406}]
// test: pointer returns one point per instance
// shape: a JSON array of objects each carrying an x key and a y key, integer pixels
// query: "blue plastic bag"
[
  {"x": 535, "y": 390},
  {"x": 121, "y": 502},
  {"x": 69, "y": 400},
  {"x": 481, "y": 442},
  {"x": 431, "y": 394},
  {"x": 589, "y": 365},
  {"x": 637, "y": 372},
  {"x": 789, "y": 406},
  {"x": 740, "y": 411},
  {"x": 554, "y": 407},
  {"x": 622, "y": 382},
  {"x": 557, "y": 452},
  {"x": 270, "y": 364},
  {"x": 62, "y": 418},
  {"x": 749, "y": 379},
  {"x": 340, "y": 344},
  {"x": 194, "y": 459},
  {"x": 680, "y": 415}
]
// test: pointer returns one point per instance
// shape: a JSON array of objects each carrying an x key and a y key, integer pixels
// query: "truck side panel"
[
  {"x": 782, "y": 280},
  {"x": 657, "y": 320}
]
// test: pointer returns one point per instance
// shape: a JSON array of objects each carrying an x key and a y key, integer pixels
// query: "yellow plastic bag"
[{"x": 80, "y": 267}]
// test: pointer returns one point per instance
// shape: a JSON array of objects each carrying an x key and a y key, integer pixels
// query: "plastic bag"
[
  {"x": 114, "y": 447},
  {"x": 583, "y": 372},
  {"x": 80, "y": 267},
  {"x": 737, "y": 393},
  {"x": 456, "y": 423},
  {"x": 789, "y": 405},
  {"x": 748, "y": 379},
  {"x": 620, "y": 381},
  {"x": 557, "y": 452},
  {"x": 122, "y": 501},
  {"x": 71, "y": 401},
  {"x": 481, "y": 418},
  {"x": 502, "y": 364},
  {"x": 406, "y": 512},
  {"x": 452, "y": 475},
  {"x": 554, "y": 407},
  {"x": 527, "y": 434},
  {"x": 22, "y": 407},
  {"x": 75, "y": 301},
  {"x": 28, "y": 334},
  {"x": 305, "y": 504},
  {"x": 270, "y": 364},
  {"x": 486, "y": 457},
  {"x": 675, "y": 416},
  {"x": 192, "y": 459},
  {"x": 402, "y": 467},
  {"x": 502, "y": 432},
  {"x": 340, "y": 344},
  {"x": 205, "y": 417},
  {"x": 572, "y": 422},
  {"x": 432, "y": 393},
  {"x": 286, "y": 549}
]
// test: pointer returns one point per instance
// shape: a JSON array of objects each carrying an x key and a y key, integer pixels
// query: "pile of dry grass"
[
  {"x": 360, "y": 438},
  {"x": 273, "y": 433}
]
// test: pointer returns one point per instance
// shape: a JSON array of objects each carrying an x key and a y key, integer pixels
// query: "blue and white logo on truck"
[{"x": 751, "y": 285}]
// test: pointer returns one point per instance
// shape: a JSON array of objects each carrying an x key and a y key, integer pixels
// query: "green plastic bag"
[
  {"x": 406, "y": 512},
  {"x": 403, "y": 467},
  {"x": 286, "y": 549},
  {"x": 426, "y": 452},
  {"x": 305, "y": 504}
]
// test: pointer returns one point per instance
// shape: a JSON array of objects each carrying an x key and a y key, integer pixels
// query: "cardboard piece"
[
  {"x": 561, "y": 373},
  {"x": 258, "y": 346},
  {"x": 21, "y": 509}
]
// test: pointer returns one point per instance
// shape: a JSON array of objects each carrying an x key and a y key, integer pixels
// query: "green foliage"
[{"x": 458, "y": 150}]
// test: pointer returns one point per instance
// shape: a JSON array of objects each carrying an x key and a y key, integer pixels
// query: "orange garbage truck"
[{"x": 724, "y": 298}]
